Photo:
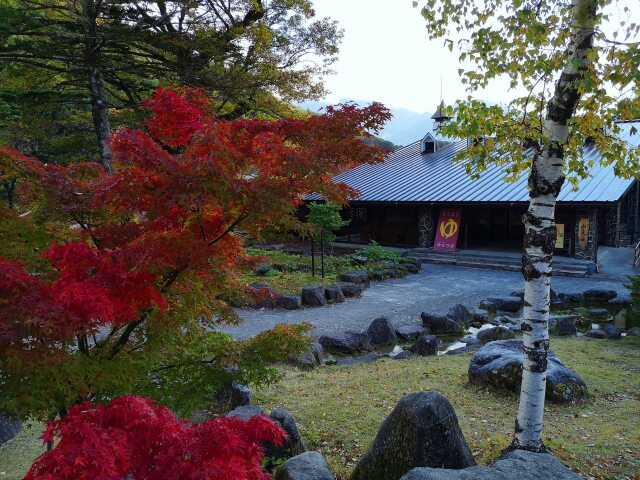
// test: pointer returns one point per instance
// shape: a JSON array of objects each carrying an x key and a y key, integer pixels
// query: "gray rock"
[
  {"x": 421, "y": 431},
  {"x": 599, "y": 295},
  {"x": 9, "y": 427},
  {"x": 409, "y": 333},
  {"x": 355, "y": 277},
  {"x": 495, "y": 333},
  {"x": 598, "y": 313},
  {"x": 359, "y": 260},
  {"x": 402, "y": 355},
  {"x": 240, "y": 395},
  {"x": 368, "y": 358},
  {"x": 621, "y": 301},
  {"x": 499, "y": 365},
  {"x": 346, "y": 342},
  {"x": 571, "y": 297},
  {"x": 517, "y": 293},
  {"x": 382, "y": 332},
  {"x": 379, "y": 275},
  {"x": 596, "y": 333},
  {"x": 470, "y": 341},
  {"x": 612, "y": 332},
  {"x": 294, "y": 444},
  {"x": 334, "y": 294},
  {"x": 565, "y": 327},
  {"x": 412, "y": 267},
  {"x": 516, "y": 465},
  {"x": 246, "y": 412},
  {"x": 470, "y": 347},
  {"x": 506, "y": 304},
  {"x": 289, "y": 302},
  {"x": 314, "y": 296},
  {"x": 633, "y": 332},
  {"x": 425, "y": 346},
  {"x": 314, "y": 357},
  {"x": 439, "y": 323},
  {"x": 488, "y": 306},
  {"x": 350, "y": 289},
  {"x": 460, "y": 314},
  {"x": 481, "y": 316},
  {"x": 306, "y": 466},
  {"x": 395, "y": 273}
]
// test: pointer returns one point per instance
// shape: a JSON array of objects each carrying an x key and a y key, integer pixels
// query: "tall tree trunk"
[
  {"x": 99, "y": 99},
  {"x": 545, "y": 181}
]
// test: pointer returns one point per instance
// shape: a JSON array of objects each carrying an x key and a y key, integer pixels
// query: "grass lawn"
[
  {"x": 287, "y": 277},
  {"x": 339, "y": 409}
]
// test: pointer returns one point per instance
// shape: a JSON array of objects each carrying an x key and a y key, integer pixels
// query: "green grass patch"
[
  {"x": 339, "y": 409},
  {"x": 290, "y": 272}
]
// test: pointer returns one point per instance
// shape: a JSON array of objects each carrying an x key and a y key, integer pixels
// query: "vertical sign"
[
  {"x": 583, "y": 233},
  {"x": 448, "y": 229},
  {"x": 559, "y": 235}
]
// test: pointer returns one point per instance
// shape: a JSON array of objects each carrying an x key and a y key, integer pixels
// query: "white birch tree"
[{"x": 576, "y": 64}]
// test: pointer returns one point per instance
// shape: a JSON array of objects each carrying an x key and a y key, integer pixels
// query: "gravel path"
[{"x": 435, "y": 288}]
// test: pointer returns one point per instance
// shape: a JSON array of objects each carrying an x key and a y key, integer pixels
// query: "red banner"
[{"x": 448, "y": 229}]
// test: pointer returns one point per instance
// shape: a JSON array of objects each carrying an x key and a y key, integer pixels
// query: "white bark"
[{"x": 545, "y": 182}]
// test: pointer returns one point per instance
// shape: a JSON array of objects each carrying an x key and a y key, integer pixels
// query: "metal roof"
[{"x": 408, "y": 176}]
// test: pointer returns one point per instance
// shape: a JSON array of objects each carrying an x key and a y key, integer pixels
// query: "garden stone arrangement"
[
  {"x": 421, "y": 440},
  {"x": 351, "y": 285}
]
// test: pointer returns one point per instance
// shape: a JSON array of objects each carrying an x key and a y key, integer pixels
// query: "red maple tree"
[
  {"x": 131, "y": 436},
  {"x": 132, "y": 298}
]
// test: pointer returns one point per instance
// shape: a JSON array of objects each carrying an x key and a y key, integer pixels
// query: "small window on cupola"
[{"x": 428, "y": 144}]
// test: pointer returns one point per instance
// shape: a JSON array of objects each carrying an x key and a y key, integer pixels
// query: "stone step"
[{"x": 496, "y": 263}]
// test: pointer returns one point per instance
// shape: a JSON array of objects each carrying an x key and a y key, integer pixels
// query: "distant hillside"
[{"x": 405, "y": 127}]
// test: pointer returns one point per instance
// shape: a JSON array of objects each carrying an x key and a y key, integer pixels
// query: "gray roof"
[{"x": 408, "y": 176}]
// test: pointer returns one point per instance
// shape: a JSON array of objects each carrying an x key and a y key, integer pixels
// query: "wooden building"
[{"x": 402, "y": 198}]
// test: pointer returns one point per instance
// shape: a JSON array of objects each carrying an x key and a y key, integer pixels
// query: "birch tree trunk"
[
  {"x": 99, "y": 99},
  {"x": 545, "y": 181}
]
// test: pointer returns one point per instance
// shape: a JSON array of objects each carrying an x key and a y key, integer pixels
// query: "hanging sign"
[
  {"x": 583, "y": 233},
  {"x": 448, "y": 229},
  {"x": 559, "y": 235}
]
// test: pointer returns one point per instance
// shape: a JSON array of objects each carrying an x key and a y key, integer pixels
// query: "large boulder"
[
  {"x": 460, "y": 314},
  {"x": 612, "y": 332},
  {"x": 245, "y": 412},
  {"x": 314, "y": 296},
  {"x": 515, "y": 465},
  {"x": 306, "y": 466},
  {"x": 9, "y": 427},
  {"x": 334, "y": 294},
  {"x": 633, "y": 332},
  {"x": 421, "y": 431},
  {"x": 599, "y": 295},
  {"x": 565, "y": 327},
  {"x": 598, "y": 313},
  {"x": 355, "y": 277},
  {"x": 506, "y": 304},
  {"x": 289, "y": 302},
  {"x": 239, "y": 395},
  {"x": 495, "y": 333},
  {"x": 425, "y": 346},
  {"x": 488, "y": 306},
  {"x": 314, "y": 357},
  {"x": 367, "y": 358},
  {"x": 440, "y": 323},
  {"x": 382, "y": 332},
  {"x": 499, "y": 365},
  {"x": 408, "y": 333},
  {"x": 571, "y": 297},
  {"x": 294, "y": 444},
  {"x": 346, "y": 342},
  {"x": 350, "y": 289},
  {"x": 596, "y": 333}
]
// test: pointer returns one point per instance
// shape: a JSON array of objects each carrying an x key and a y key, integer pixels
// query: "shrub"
[
  {"x": 378, "y": 253},
  {"x": 131, "y": 436}
]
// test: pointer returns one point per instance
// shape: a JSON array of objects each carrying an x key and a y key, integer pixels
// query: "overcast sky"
[{"x": 386, "y": 56}]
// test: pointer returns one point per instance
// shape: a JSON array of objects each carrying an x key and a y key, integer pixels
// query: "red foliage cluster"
[{"x": 131, "y": 436}]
